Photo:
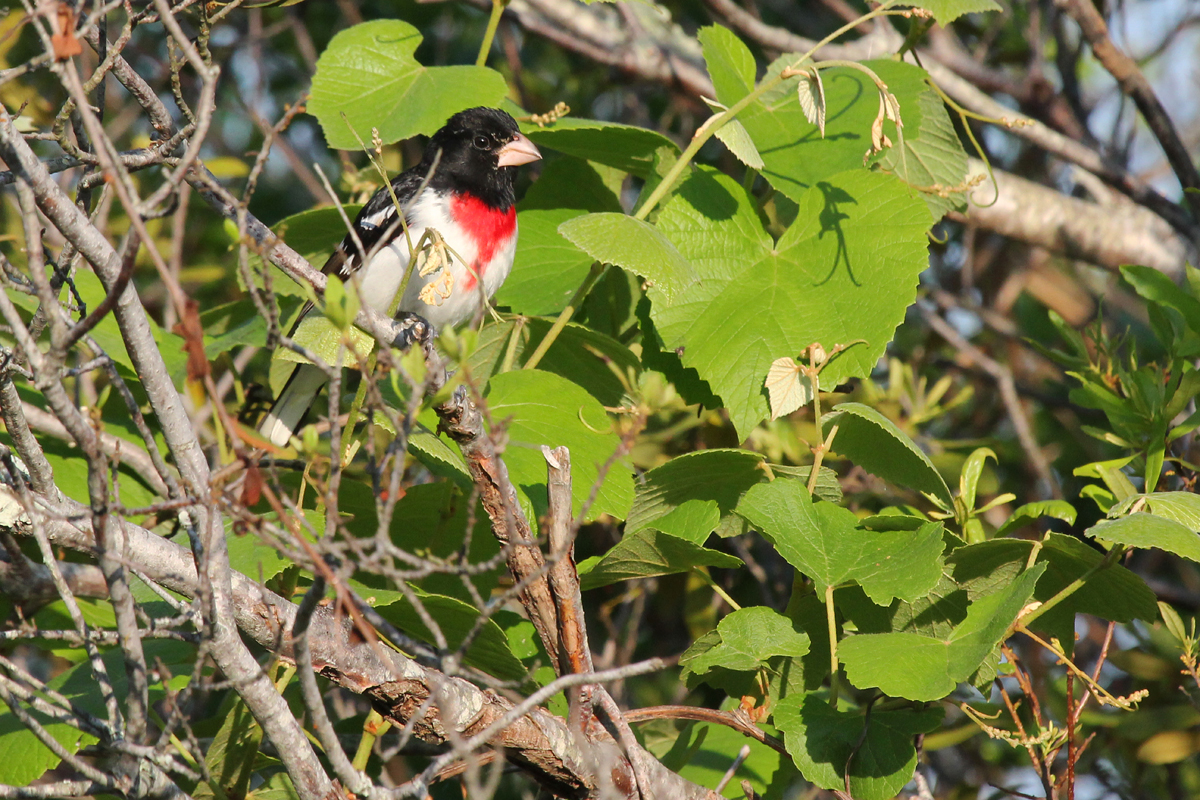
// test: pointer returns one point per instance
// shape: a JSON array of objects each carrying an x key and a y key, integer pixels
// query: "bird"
[{"x": 461, "y": 199}]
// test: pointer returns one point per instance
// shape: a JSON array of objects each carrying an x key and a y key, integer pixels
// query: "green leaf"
[
  {"x": 730, "y": 63},
  {"x": 1115, "y": 593},
  {"x": 488, "y": 651},
  {"x": 873, "y": 442},
  {"x": 875, "y": 751},
  {"x": 24, "y": 759},
  {"x": 717, "y": 475},
  {"x": 825, "y": 543},
  {"x": 648, "y": 554},
  {"x": 636, "y": 246},
  {"x": 230, "y": 757},
  {"x": 734, "y": 136},
  {"x": 968, "y": 480},
  {"x": 1149, "y": 530},
  {"x": 748, "y": 638},
  {"x": 625, "y": 147},
  {"x": 547, "y": 269},
  {"x": 846, "y": 270},
  {"x": 933, "y": 666},
  {"x": 1057, "y": 509},
  {"x": 702, "y": 753},
  {"x": 232, "y": 325},
  {"x": 1182, "y": 507},
  {"x": 579, "y": 354},
  {"x": 932, "y": 158},
  {"x": 430, "y": 520},
  {"x": 253, "y": 558},
  {"x": 368, "y": 72},
  {"x": 328, "y": 341},
  {"x": 108, "y": 334},
  {"x": 797, "y": 156},
  {"x": 946, "y": 11},
  {"x": 545, "y": 409},
  {"x": 1158, "y": 288}
]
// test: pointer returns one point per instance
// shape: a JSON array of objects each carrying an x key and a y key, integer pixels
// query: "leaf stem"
[
  {"x": 489, "y": 35},
  {"x": 716, "y": 588},
  {"x": 831, "y": 618},
  {"x": 565, "y": 315}
]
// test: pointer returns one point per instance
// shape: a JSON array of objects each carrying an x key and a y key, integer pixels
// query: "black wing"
[{"x": 375, "y": 220}]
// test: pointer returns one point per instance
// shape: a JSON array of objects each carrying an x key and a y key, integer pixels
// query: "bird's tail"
[{"x": 292, "y": 404}]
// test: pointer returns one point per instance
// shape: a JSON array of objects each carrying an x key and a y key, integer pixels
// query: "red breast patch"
[{"x": 489, "y": 228}]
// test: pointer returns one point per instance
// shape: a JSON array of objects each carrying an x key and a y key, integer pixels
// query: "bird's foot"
[{"x": 410, "y": 329}]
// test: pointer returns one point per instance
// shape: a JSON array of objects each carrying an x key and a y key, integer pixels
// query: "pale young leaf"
[
  {"x": 788, "y": 388},
  {"x": 812, "y": 98}
]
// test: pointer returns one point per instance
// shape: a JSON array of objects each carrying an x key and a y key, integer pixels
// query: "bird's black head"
[{"x": 481, "y": 149}]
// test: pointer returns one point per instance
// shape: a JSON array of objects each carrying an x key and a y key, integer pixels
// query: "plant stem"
[
  {"x": 565, "y": 316},
  {"x": 831, "y": 618},
  {"x": 489, "y": 35},
  {"x": 373, "y": 727},
  {"x": 818, "y": 457}
]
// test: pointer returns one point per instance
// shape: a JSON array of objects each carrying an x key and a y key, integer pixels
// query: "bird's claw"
[{"x": 410, "y": 329}]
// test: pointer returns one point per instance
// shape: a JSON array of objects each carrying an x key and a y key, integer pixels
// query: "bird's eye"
[{"x": 482, "y": 143}]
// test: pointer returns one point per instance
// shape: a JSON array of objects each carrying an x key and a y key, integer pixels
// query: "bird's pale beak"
[{"x": 517, "y": 152}]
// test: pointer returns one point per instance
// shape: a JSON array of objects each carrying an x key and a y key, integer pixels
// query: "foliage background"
[{"x": 970, "y": 365}]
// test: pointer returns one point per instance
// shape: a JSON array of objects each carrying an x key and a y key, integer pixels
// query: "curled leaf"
[{"x": 812, "y": 98}]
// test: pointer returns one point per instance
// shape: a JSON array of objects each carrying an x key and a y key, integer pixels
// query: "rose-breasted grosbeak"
[{"x": 467, "y": 198}]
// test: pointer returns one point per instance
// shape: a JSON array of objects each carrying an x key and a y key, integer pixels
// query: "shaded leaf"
[
  {"x": 876, "y": 751},
  {"x": 648, "y": 554},
  {"x": 748, "y": 637},
  {"x": 933, "y": 666}
]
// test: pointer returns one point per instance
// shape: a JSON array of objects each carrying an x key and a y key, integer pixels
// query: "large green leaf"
[
  {"x": 647, "y": 554},
  {"x": 921, "y": 667},
  {"x": 1149, "y": 530},
  {"x": 873, "y": 442},
  {"x": 825, "y": 542},
  {"x": 625, "y": 147},
  {"x": 547, "y": 268},
  {"x": 797, "y": 157},
  {"x": 875, "y": 751},
  {"x": 637, "y": 246},
  {"x": 846, "y": 270},
  {"x": 369, "y": 74},
  {"x": 542, "y": 408},
  {"x": 748, "y": 637}
]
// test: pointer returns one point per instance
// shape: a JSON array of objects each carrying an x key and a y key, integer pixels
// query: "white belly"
[{"x": 381, "y": 278}]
